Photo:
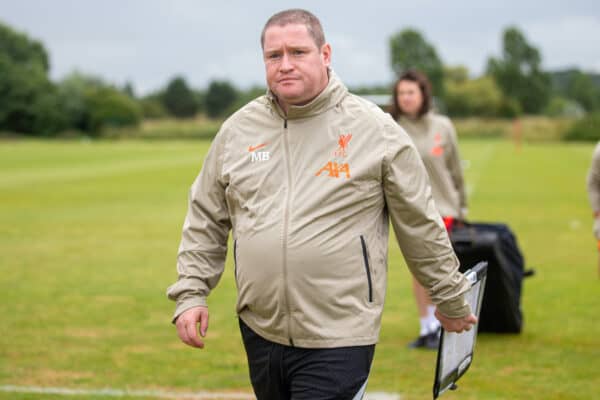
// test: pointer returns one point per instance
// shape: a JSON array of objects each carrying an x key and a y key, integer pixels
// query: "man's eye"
[
  {"x": 298, "y": 52},
  {"x": 273, "y": 56}
]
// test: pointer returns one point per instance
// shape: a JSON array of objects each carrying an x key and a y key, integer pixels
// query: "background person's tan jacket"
[
  {"x": 435, "y": 138},
  {"x": 593, "y": 189},
  {"x": 308, "y": 198}
]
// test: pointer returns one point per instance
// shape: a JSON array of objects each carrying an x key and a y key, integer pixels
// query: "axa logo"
[
  {"x": 258, "y": 155},
  {"x": 334, "y": 169},
  {"x": 343, "y": 145}
]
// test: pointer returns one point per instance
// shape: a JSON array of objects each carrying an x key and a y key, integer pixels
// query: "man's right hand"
[
  {"x": 457, "y": 325},
  {"x": 187, "y": 326}
]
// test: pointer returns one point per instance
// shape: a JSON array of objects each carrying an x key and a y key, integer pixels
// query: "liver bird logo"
[
  {"x": 343, "y": 145},
  {"x": 437, "y": 149}
]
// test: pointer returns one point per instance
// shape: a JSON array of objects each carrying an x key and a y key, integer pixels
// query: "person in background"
[
  {"x": 593, "y": 189},
  {"x": 308, "y": 177},
  {"x": 435, "y": 139}
]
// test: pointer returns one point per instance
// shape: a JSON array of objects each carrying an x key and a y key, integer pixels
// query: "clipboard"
[{"x": 455, "y": 352}]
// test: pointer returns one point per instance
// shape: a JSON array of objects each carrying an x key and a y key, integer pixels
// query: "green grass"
[{"x": 88, "y": 239}]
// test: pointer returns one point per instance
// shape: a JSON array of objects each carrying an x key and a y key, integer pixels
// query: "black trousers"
[{"x": 279, "y": 372}]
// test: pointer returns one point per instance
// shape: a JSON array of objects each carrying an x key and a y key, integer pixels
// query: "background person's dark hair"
[
  {"x": 420, "y": 79},
  {"x": 297, "y": 16}
]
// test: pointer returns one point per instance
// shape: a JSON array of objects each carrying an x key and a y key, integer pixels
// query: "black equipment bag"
[{"x": 496, "y": 244}]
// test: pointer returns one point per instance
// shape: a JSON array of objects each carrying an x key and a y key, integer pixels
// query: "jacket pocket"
[{"x": 365, "y": 253}]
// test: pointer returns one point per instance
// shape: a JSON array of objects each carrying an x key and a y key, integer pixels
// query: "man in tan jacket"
[{"x": 308, "y": 177}]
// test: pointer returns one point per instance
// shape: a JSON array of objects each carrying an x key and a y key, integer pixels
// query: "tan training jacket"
[
  {"x": 308, "y": 197},
  {"x": 435, "y": 138},
  {"x": 593, "y": 180},
  {"x": 593, "y": 189}
]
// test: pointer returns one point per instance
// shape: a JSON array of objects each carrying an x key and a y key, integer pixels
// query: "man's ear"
[{"x": 326, "y": 54}]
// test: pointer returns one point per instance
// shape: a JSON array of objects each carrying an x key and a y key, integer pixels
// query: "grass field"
[{"x": 88, "y": 239}]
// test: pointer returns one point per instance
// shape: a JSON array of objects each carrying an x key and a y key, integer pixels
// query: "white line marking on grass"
[
  {"x": 112, "y": 392},
  {"x": 485, "y": 155},
  {"x": 382, "y": 396}
]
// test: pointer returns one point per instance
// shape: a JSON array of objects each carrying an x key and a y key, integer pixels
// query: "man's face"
[
  {"x": 296, "y": 69},
  {"x": 410, "y": 98}
]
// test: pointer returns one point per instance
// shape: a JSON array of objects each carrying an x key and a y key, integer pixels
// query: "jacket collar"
[
  {"x": 423, "y": 120},
  {"x": 333, "y": 93},
  {"x": 423, "y": 117}
]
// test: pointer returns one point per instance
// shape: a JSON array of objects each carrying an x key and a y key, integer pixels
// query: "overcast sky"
[{"x": 147, "y": 42}]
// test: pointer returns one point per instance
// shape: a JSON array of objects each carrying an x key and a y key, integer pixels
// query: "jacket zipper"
[
  {"x": 285, "y": 229},
  {"x": 235, "y": 260},
  {"x": 366, "y": 259}
]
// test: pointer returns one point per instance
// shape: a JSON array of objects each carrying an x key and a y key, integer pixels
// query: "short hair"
[
  {"x": 420, "y": 79},
  {"x": 296, "y": 16}
]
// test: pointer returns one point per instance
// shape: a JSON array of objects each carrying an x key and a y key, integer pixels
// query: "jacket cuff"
[
  {"x": 185, "y": 304},
  {"x": 455, "y": 308}
]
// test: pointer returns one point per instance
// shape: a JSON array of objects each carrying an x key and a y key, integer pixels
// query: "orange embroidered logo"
[
  {"x": 343, "y": 145},
  {"x": 334, "y": 169},
  {"x": 437, "y": 149},
  {"x": 254, "y": 148}
]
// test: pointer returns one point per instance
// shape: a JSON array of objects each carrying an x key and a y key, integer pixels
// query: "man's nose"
[{"x": 286, "y": 62}]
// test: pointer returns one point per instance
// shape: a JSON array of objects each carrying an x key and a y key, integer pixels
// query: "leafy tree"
[
  {"x": 110, "y": 107},
  {"x": 518, "y": 72},
  {"x": 73, "y": 90},
  {"x": 48, "y": 110},
  {"x": 577, "y": 86},
  {"x": 129, "y": 90},
  {"x": 26, "y": 98},
  {"x": 28, "y": 102},
  {"x": 561, "y": 79},
  {"x": 559, "y": 106},
  {"x": 581, "y": 88},
  {"x": 585, "y": 129},
  {"x": 23, "y": 51},
  {"x": 480, "y": 97},
  {"x": 456, "y": 74},
  {"x": 152, "y": 106},
  {"x": 89, "y": 104},
  {"x": 246, "y": 96},
  {"x": 220, "y": 96},
  {"x": 509, "y": 108},
  {"x": 200, "y": 97},
  {"x": 179, "y": 100},
  {"x": 376, "y": 89},
  {"x": 408, "y": 49}
]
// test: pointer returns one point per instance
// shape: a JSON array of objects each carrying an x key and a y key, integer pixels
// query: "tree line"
[
  {"x": 30, "y": 103},
  {"x": 513, "y": 83}
]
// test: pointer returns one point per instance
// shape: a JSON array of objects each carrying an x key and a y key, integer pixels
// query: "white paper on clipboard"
[{"x": 455, "y": 352}]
